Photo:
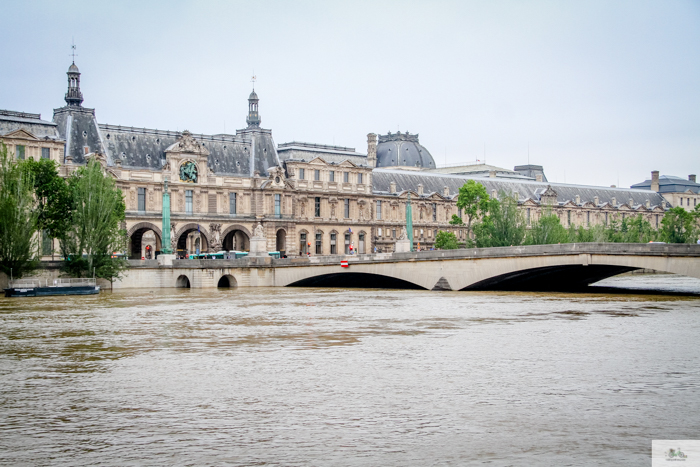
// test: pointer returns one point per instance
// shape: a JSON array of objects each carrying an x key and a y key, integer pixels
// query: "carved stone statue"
[
  {"x": 173, "y": 240},
  {"x": 403, "y": 235},
  {"x": 215, "y": 236},
  {"x": 259, "y": 232}
]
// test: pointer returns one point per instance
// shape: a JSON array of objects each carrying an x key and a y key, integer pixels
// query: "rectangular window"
[
  {"x": 379, "y": 232},
  {"x": 303, "y": 246},
  {"x": 301, "y": 174},
  {"x": 232, "y": 203},
  {"x": 588, "y": 217},
  {"x": 212, "y": 203},
  {"x": 334, "y": 248},
  {"x": 359, "y": 178},
  {"x": 568, "y": 217},
  {"x": 435, "y": 233},
  {"x": 317, "y": 175},
  {"x": 46, "y": 153},
  {"x": 459, "y": 212},
  {"x": 347, "y": 243},
  {"x": 278, "y": 204},
  {"x": 393, "y": 233},
  {"x": 528, "y": 216},
  {"x": 331, "y": 176},
  {"x": 346, "y": 177},
  {"x": 347, "y": 208},
  {"x": 361, "y": 244},
  {"x": 434, "y": 212},
  {"x": 606, "y": 218},
  {"x": 46, "y": 243},
  {"x": 657, "y": 221},
  {"x": 317, "y": 206},
  {"x": 318, "y": 244},
  {"x": 19, "y": 151},
  {"x": 379, "y": 210},
  {"x": 142, "y": 199},
  {"x": 188, "y": 201}
]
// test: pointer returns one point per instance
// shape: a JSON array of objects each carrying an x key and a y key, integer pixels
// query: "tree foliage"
[
  {"x": 473, "y": 200},
  {"x": 679, "y": 226},
  {"x": 18, "y": 218},
  {"x": 456, "y": 220},
  {"x": 502, "y": 225},
  {"x": 53, "y": 197},
  {"x": 547, "y": 230},
  {"x": 95, "y": 229},
  {"x": 446, "y": 241}
]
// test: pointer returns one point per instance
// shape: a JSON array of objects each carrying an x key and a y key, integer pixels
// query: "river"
[{"x": 349, "y": 377}]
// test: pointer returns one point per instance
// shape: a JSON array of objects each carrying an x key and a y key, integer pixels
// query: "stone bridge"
[{"x": 564, "y": 267}]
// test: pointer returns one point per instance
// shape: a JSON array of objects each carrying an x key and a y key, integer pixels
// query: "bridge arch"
[
  {"x": 355, "y": 280},
  {"x": 226, "y": 281},
  {"x": 183, "y": 282}
]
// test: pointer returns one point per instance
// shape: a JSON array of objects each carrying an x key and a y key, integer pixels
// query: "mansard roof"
[
  {"x": 409, "y": 180},
  {"x": 11, "y": 121}
]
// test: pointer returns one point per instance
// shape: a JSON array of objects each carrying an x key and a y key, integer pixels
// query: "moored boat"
[{"x": 39, "y": 287}]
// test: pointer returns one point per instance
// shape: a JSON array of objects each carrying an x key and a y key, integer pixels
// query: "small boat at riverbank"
[{"x": 41, "y": 288}]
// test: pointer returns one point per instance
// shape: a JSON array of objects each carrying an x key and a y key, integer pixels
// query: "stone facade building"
[{"x": 309, "y": 198}]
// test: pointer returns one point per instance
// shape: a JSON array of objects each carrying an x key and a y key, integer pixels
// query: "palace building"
[{"x": 309, "y": 198}]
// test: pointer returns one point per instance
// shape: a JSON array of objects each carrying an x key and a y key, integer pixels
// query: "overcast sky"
[{"x": 602, "y": 92}]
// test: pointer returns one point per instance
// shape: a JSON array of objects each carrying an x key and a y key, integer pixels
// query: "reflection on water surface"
[{"x": 348, "y": 377}]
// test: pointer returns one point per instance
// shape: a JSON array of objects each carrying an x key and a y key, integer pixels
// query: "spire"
[
  {"x": 253, "y": 119},
  {"x": 74, "y": 97}
]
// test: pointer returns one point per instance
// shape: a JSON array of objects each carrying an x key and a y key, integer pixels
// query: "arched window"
[
  {"x": 319, "y": 242},
  {"x": 334, "y": 241},
  {"x": 347, "y": 242},
  {"x": 303, "y": 243},
  {"x": 361, "y": 244}
]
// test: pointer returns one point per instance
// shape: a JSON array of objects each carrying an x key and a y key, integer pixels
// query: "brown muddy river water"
[{"x": 315, "y": 377}]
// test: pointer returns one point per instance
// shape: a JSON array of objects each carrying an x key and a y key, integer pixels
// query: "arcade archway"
[
  {"x": 192, "y": 239},
  {"x": 144, "y": 241},
  {"x": 281, "y": 241},
  {"x": 236, "y": 239}
]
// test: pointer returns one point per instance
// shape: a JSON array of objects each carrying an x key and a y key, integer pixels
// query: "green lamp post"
[
  {"x": 165, "y": 247},
  {"x": 409, "y": 220}
]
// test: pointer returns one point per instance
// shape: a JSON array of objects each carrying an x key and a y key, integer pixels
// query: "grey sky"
[{"x": 600, "y": 90}]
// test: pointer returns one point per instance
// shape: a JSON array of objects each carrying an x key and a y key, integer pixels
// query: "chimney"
[
  {"x": 538, "y": 178},
  {"x": 494, "y": 194},
  {"x": 420, "y": 189},
  {"x": 655, "y": 180},
  {"x": 596, "y": 201},
  {"x": 371, "y": 150},
  {"x": 692, "y": 178},
  {"x": 578, "y": 199},
  {"x": 392, "y": 187},
  {"x": 631, "y": 203},
  {"x": 516, "y": 196},
  {"x": 648, "y": 204},
  {"x": 614, "y": 202},
  {"x": 446, "y": 192},
  {"x": 492, "y": 174}
]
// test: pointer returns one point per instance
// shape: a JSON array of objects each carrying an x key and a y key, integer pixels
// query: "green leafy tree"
[
  {"x": 456, "y": 220},
  {"x": 446, "y": 241},
  {"x": 679, "y": 226},
  {"x": 639, "y": 230},
  {"x": 18, "y": 218},
  {"x": 473, "y": 200},
  {"x": 503, "y": 225},
  {"x": 592, "y": 234},
  {"x": 547, "y": 230},
  {"x": 53, "y": 197},
  {"x": 95, "y": 228}
]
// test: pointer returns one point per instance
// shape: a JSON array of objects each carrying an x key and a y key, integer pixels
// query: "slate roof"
[
  {"x": 11, "y": 121},
  {"x": 78, "y": 127},
  {"x": 409, "y": 180},
  {"x": 309, "y": 151},
  {"x": 671, "y": 184},
  {"x": 402, "y": 149}
]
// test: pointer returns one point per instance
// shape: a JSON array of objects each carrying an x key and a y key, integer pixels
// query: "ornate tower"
[
  {"x": 372, "y": 150},
  {"x": 253, "y": 119},
  {"x": 74, "y": 98}
]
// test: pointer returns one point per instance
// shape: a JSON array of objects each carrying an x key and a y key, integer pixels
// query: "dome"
[
  {"x": 402, "y": 149},
  {"x": 253, "y": 96},
  {"x": 73, "y": 69}
]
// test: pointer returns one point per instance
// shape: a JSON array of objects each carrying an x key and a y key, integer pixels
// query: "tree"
[
  {"x": 639, "y": 230},
  {"x": 456, "y": 220},
  {"x": 95, "y": 230},
  {"x": 503, "y": 225},
  {"x": 547, "y": 230},
  {"x": 446, "y": 241},
  {"x": 52, "y": 195},
  {"x": 679, "y": 226},
  {"x": 18, "y": 218},
  {"x": 473, "y": 200}
]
